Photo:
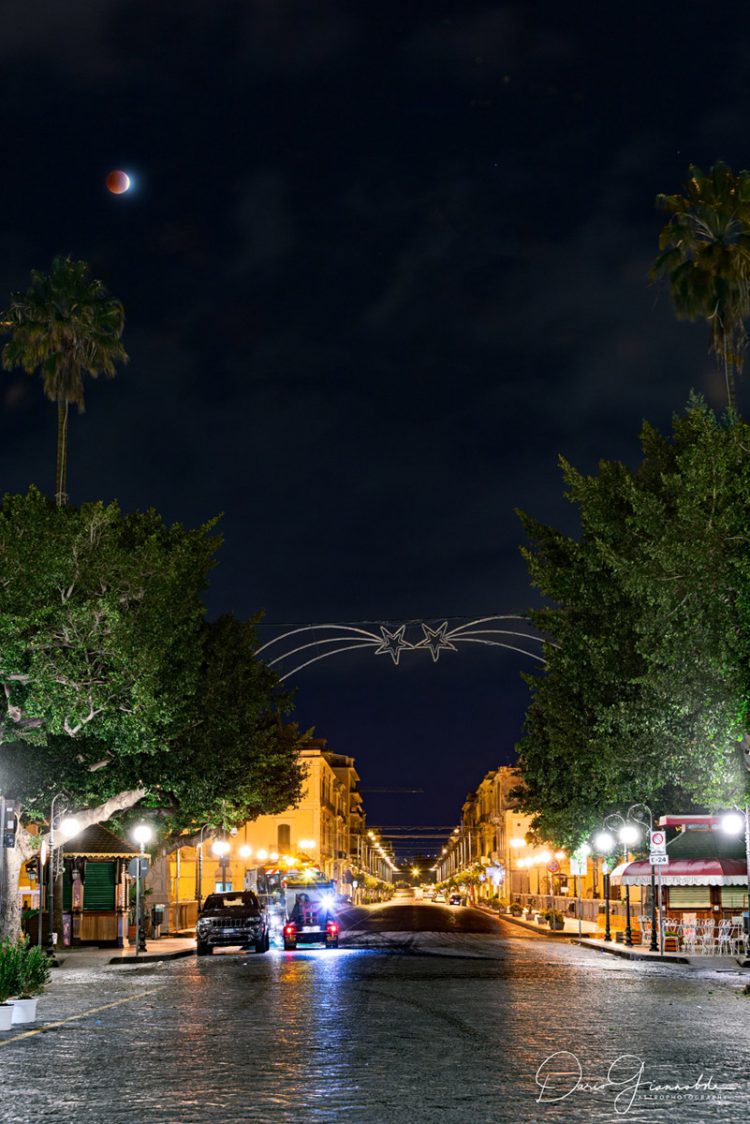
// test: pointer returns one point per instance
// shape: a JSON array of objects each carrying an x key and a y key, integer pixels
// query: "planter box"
[
  {"x": 24, "y": 1010},
  {"x": 6, "y": 1016}
]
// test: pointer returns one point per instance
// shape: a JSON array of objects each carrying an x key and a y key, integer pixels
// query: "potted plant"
[
  {"x": 555, "y": 919},
  {"x": 33, "y": 974},
  {"x": 515, "y": 909},
  {"x": 9, "y": 980},
  {"x": 671, "y": 939}
]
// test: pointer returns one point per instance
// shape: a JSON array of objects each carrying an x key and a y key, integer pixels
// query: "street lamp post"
[
  {"x": 628, "y": 834},
  {"x": 633, "y": 814},
  {"x": 733, "y": 823},
  {"x": 199, "y": 887},
  {"x": 67, "y": 828},
  {"x": 52, "y": 936},
  {"x": 604, "y": 843},
  {"x": 221, "y": 848},
  {"x": 143, "y": 834}
]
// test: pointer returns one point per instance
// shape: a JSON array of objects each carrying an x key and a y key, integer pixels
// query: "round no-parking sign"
[{"x": 553, "y": 866}]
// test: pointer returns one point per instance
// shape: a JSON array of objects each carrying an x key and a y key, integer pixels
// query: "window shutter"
[
  {"x": 99, "y": 887},
  {"x": 690, "y": 897}
]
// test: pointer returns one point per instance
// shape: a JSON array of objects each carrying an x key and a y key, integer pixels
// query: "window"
[
  {"x": 733, "y": 897},
  {"x": 222, "y": 887},
  {"x": 283, "y": 837}
]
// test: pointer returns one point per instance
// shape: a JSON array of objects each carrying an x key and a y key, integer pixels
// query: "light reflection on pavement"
[{"x": 437, "y": 1024}]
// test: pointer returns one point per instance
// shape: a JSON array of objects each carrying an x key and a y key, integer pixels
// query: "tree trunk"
[
  {"x": 10, "y": 921},
  {"x": 61, "y": 471},
  {"x": 729, "y": 372}
]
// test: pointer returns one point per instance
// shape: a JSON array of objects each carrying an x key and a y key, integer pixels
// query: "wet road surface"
[{"x": 446, "y": 1025}]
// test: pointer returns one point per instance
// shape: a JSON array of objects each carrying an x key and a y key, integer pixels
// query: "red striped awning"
[{"x": 684, "y": 872}]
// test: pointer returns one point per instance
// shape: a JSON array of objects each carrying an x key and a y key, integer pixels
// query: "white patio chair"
[
  {"x": 690, "y": 938},
  {"x": 706, "y": 941},
  {"x": 724, "y": 938}
]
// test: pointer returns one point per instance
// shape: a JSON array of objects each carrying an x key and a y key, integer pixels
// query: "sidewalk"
[
  {"x": 571, "y": 925},
  {"x": 164, "y": 948},
  {"x": 640, "y": 952}
]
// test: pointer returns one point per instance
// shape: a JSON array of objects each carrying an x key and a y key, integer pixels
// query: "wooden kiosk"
[{"x": 95, "y": 888}]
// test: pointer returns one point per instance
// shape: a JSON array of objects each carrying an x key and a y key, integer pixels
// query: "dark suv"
[{"x": 232, "y": 919}]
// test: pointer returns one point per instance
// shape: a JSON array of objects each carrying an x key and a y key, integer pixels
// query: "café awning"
[{"x": 684, "y": 872}]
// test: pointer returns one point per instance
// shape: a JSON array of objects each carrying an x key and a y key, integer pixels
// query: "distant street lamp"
[{"x": 142, "y": 834}]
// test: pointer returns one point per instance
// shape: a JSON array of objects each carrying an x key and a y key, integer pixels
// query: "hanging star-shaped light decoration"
[
  {"x": 436, "y": 640},
  {"x": 393, "y": 643}
]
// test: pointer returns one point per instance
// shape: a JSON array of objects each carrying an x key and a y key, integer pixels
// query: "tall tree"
[
  {"x": 65, "y": 326},
  {"x": 646, "y": 692},
  {"x": 117, "y": 691},
  {"x": 705, "y": 256}
]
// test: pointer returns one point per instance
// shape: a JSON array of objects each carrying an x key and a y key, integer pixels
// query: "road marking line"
[{"x": 82, "y": 1015}]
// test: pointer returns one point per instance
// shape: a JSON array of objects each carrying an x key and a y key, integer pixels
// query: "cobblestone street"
[{"x": 434, "y": 1025}]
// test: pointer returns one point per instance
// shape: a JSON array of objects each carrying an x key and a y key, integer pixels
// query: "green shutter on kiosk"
[{"x": 99, "y": 887}]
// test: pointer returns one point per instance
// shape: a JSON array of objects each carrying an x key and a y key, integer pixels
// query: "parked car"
[
  {"x": 456, "y": 899},
  {"x": 232, "y": 919}
]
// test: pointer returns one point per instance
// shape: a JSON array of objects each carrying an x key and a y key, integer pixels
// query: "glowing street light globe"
[
  {"x": 629, "y": 834},
  {"x": 220, "y": 847},
  {"x": 262, "y": 856},
  {"x": 245, "y": 851},
  {"x": 604, "y": 842},
  {"x": 69, "y": 827},
  {"x": 143, "y": 833},
  {"x": 732, "y": 823}
]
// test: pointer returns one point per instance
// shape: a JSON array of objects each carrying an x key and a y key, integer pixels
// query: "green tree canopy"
[
  {"x": 645, "y": 693},
  {"x": 117, "y": 691}
]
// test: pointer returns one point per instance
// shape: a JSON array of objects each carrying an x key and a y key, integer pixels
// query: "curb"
[
  {"x": 629, "y": 954},
  {"x": 553, "y": 934},
  {"x": 152, "y": 957}
]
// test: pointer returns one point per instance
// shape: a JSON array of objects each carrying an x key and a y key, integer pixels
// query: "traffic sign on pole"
[
  {"x": 659, "y": 842},
  {"x": 657, "y": 859}
]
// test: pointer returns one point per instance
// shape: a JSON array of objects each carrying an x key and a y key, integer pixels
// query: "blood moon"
[{"x": 118, "y": 182}]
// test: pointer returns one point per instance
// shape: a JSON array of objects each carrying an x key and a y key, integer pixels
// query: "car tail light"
[
  {"x": 290, "y": 929},
  {"x": 332, "y": 928}
]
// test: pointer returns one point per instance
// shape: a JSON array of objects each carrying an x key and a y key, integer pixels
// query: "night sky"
[{"x": 382, "y": 264}]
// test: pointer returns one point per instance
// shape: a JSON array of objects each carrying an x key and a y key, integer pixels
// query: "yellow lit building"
[{"x": 326, "y": 827}]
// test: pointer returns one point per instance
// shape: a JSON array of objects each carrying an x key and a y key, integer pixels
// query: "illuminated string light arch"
[{"x": 388, "y": 638}]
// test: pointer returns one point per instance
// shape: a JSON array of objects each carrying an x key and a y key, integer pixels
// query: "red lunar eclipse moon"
[{"x": 117, "y": 182}]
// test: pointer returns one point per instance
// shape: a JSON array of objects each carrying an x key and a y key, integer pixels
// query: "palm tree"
[
  {"x": 66, "y": 326},
  {"x": 705, "y": 256}
]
